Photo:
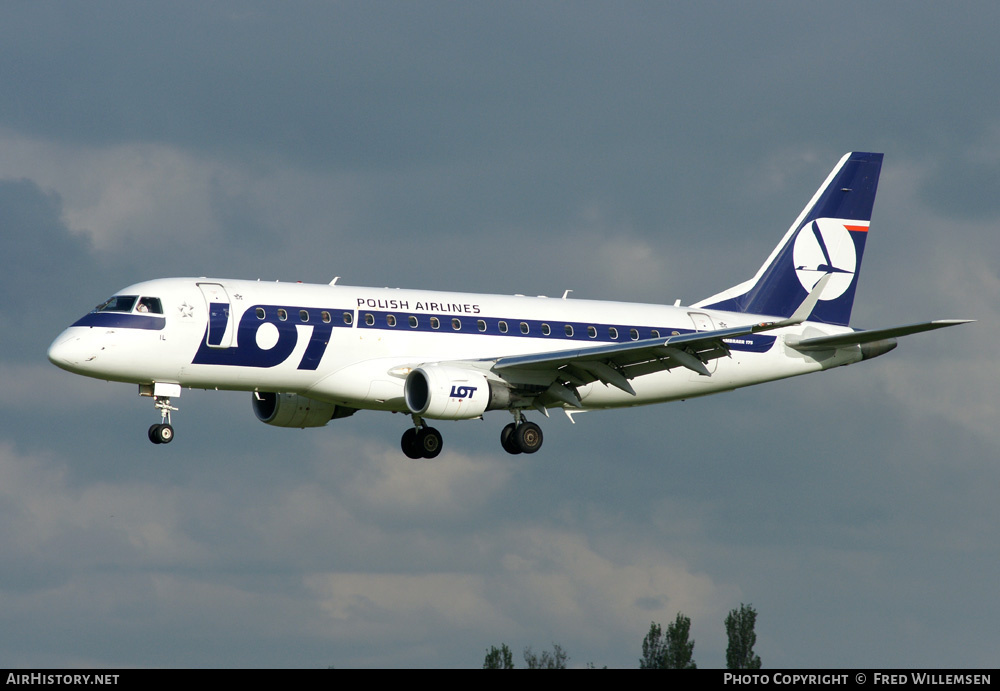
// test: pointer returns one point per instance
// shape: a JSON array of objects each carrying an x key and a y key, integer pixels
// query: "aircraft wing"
[
  {"x": 689, "y": 350},
  {"x": 555, "y": 374}
]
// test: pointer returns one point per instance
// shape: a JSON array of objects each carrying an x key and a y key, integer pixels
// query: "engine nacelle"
[
  {"x": 441, "y": 392},
  {"x": 293, "y": 410}
]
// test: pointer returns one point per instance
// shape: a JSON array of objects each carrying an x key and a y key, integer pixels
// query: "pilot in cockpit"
[{"x": 149, "y": 306}]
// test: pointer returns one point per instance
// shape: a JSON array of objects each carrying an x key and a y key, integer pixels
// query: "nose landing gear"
[{"x": 162, "y": 433}]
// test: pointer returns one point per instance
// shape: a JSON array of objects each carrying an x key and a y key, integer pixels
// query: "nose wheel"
[{"x": 162, "y": 433}]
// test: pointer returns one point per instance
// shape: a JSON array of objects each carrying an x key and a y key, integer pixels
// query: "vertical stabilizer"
[{"x": 828, "y": 237}]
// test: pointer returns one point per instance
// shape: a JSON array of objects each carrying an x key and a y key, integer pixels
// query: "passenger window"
[
  {"x": 435, "y": 323},
  {"x": 370, "y": 319},
  {"x": 282, "y": 314},
  {"x": 655, "y": 333},
  {"x": 524, "y": 327},
  {"x": 569, "y": 331},
  {"x": 613, "y": 332},
  {"x": 348, "y": 318},
  {"x": 481, "y": 325},
  {"x": 633, "y": 334},
  {"x": 260, "y": 313},
  {"x": 413, "y": 322},
  {"x": 592, "y": 332},
  {"x": 390, "y": 319},
  {"x": 325, "y": 316},
  {"x": 456, "y": 324},
  {"x": 546, "y": 330},
  {"x": 303, "y": 315},
  {"x": 503, "y": 327}
]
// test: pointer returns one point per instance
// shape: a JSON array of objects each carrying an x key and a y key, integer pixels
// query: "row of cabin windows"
[
  {"x": 456, "y": 324},
  {"x": 304, "y": 316}
]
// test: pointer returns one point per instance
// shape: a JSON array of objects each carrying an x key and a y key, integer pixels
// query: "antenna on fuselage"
[{"x": 334, "y": 281}]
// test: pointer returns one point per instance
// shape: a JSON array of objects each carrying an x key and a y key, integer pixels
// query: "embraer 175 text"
[{"x": 314, "y": 353}]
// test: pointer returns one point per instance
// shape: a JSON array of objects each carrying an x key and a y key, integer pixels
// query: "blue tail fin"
[{"x": 827, "y": 237}]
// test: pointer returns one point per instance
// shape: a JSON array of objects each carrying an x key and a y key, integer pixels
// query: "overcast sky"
[{"x": 630, "y": 151}]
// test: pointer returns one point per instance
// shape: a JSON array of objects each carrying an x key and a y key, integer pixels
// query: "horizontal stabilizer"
[{"x": 859, "y": 337}]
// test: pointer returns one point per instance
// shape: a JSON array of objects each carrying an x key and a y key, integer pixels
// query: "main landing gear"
[
  {"x": 421, "y": 441},
  {"x": 521, "y": 436},
  {"x": 164, "y": 432}
]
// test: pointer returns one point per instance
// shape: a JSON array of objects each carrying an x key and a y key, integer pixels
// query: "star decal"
[{"x": 187, "y": 311}]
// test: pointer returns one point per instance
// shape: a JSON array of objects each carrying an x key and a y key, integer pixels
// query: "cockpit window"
[
  {"x": 149, "y": 306},
  {"x": 119, "y": 303}
]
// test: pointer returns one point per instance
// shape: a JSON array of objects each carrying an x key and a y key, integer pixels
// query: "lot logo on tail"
[{"x": 825, "y": 246}]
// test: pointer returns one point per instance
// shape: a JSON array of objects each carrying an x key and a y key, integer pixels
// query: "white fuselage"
[{"x": 354, "y": 346}]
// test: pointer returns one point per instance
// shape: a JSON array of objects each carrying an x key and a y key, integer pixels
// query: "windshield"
[{"x": 119, "y": 303}]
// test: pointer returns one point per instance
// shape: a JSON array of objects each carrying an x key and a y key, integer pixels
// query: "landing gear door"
[{"x": 220, "y": 316}]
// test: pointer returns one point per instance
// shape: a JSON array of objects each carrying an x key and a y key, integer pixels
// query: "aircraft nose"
[
  {"x": 67, "y": 352},
  {"x": 59, "y": 351}
]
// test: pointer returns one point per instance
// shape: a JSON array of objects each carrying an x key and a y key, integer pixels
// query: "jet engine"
[
  {"x": 293, "y": 410},
  {"x": 445, "y": 392}
]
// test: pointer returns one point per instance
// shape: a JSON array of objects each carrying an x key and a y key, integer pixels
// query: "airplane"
[{"x": 310, "y": 354}]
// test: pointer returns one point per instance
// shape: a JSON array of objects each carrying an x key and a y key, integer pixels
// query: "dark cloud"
[
  {"x": 963, "y": 185},
  {"x": 43, "y": 266}
]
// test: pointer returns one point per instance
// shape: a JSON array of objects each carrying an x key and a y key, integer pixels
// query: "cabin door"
[{"x": 220, "y": 316}]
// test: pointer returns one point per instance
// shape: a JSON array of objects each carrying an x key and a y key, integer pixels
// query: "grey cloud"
[{"x": 43, "y": 266}]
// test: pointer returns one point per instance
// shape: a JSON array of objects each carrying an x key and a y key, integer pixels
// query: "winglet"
[{"x": 803, "y": 311}]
